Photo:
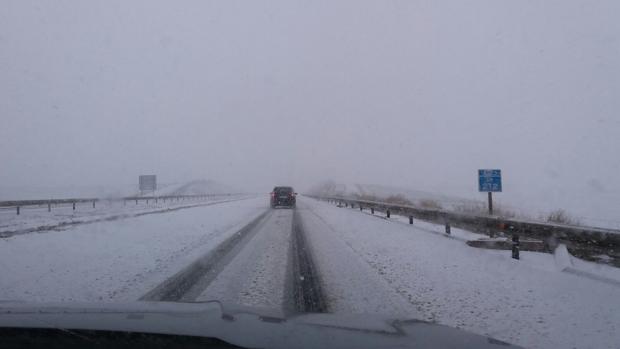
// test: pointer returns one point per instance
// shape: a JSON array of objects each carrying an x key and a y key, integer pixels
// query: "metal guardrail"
[
  {"x": 18, "y": 204},
  {"x": 550, "y": 233}
]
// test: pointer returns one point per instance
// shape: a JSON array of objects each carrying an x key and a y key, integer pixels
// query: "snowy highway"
[
  {"x": 316, "y": 257},
  {"x": 258, "y": 275}
]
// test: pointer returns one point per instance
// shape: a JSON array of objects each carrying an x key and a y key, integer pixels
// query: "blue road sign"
[{"x": 489, "y": 180}]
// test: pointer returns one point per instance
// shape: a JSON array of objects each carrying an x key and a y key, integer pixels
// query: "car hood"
[{"x": 243, "y": 326}]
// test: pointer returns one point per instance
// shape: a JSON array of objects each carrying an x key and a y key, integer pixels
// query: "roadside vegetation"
[
  {"x": 367, "y": 197},
  {"x": 472, "y": 207},
  {"x": 562, "y": 217},
  {"x": 430, "y": 204},
  {"x": 480, "y": 208},
  {"x": 398, "y": 200}
]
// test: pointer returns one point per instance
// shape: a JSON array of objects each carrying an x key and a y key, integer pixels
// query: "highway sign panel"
[
  {"x": 490, "y": 180},
  {"x": 147, "y": 182}
]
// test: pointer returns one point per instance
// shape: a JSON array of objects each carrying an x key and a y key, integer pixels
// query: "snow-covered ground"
[
  {"x": 62, "y": 215},
  {"x": 366, "y": 264},
  {"x": 119, "y": 260},
  {"x": 530, "y": 302}
]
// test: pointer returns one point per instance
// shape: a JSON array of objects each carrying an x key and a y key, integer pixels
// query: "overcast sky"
[{"x": 255, "y": 93}]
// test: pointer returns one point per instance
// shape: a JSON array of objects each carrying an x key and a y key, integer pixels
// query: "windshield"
[{"x": 453, "y": 162}]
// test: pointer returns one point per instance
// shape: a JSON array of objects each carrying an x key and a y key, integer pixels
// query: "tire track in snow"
[
  {"x": 307, "y": 289},
  {"x": 187, "y": 284},
  {"x": 252, "y": 268}
]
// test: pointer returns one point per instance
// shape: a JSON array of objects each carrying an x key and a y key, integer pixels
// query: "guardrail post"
[
  {"x": 515, "y": 246},
  {"x": 387, "y": 212},
  {"x": 448, "y": 229},
  {"x": 410, "y": 219},
  {"x": 49, "y": 207},
  {"x": 147, "y": 201},
  {"x": 18, "y": 210},
  {"x": 136, "y": 201},
  {"x": 74, "y": 206},
  {"x": 372, "y": 210},
  {"x": 94, "y": 203}
]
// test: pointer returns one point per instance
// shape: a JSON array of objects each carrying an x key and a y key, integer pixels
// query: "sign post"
[
  {"x": 490, "y": 203},
  {"x": 490, "y": 181}
]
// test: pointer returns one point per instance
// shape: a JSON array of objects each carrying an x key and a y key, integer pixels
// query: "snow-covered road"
[
  {"x": 59, "y": 216},
  {"x": 529, "y": 302},
  {"x": 115, "y": 260},
  {"x": 258, "y": 275},
  {"x": 351, "y": 284},
  {"x": 362, "y": 264}
]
